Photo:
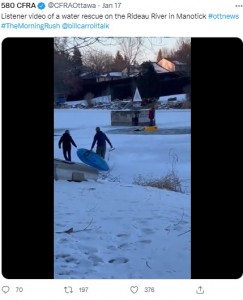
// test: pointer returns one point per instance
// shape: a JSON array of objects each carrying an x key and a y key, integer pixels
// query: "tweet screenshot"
[{"x": 120, "y": 151}]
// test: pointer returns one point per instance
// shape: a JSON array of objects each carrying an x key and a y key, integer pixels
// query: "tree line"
[{"x": 79, "y": 58}]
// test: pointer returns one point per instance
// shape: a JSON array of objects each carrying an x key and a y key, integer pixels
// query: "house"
[
  {"x": 172, "y": 66},
  {"x": 87, "y": 73},
  {"x": 180, "y": 66},
  {"x": 131, "y": 71},
  {"x": 109, "y": 76},
  {"x": 159, "y": 69}
]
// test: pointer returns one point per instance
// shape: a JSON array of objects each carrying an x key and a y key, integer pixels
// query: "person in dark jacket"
[
  {"x": 152, "y": 116},
  {"x": 66, "y": 141},
  {"x": 100, "y": 139}
]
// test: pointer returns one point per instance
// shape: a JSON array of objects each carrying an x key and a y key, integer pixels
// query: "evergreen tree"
[
  {"x": 67, "y": 72},
  {"x": 148, "y": 82},
  {"x": 159, "y": 56},
  {"x": 61, "y": 72},
  {"x": 76, "y": 62},
  {"x": 182, "y": 53},
  {"x": 119, "y": 63}
]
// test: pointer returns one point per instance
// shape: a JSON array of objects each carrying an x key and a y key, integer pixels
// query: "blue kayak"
[{"x": 92, "y": 159}]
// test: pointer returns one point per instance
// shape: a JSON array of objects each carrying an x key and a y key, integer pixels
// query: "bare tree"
[
  {"x": 130, "y": 49},
  {"x": 166, "y": 52},
  {"x": 182, "y": 52},
  {"x": 99, "y": 61},
  {"x": 67, "y": 44}
]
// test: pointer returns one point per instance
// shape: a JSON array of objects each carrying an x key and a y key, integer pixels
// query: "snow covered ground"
[{"x": 114, "y": 228}]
